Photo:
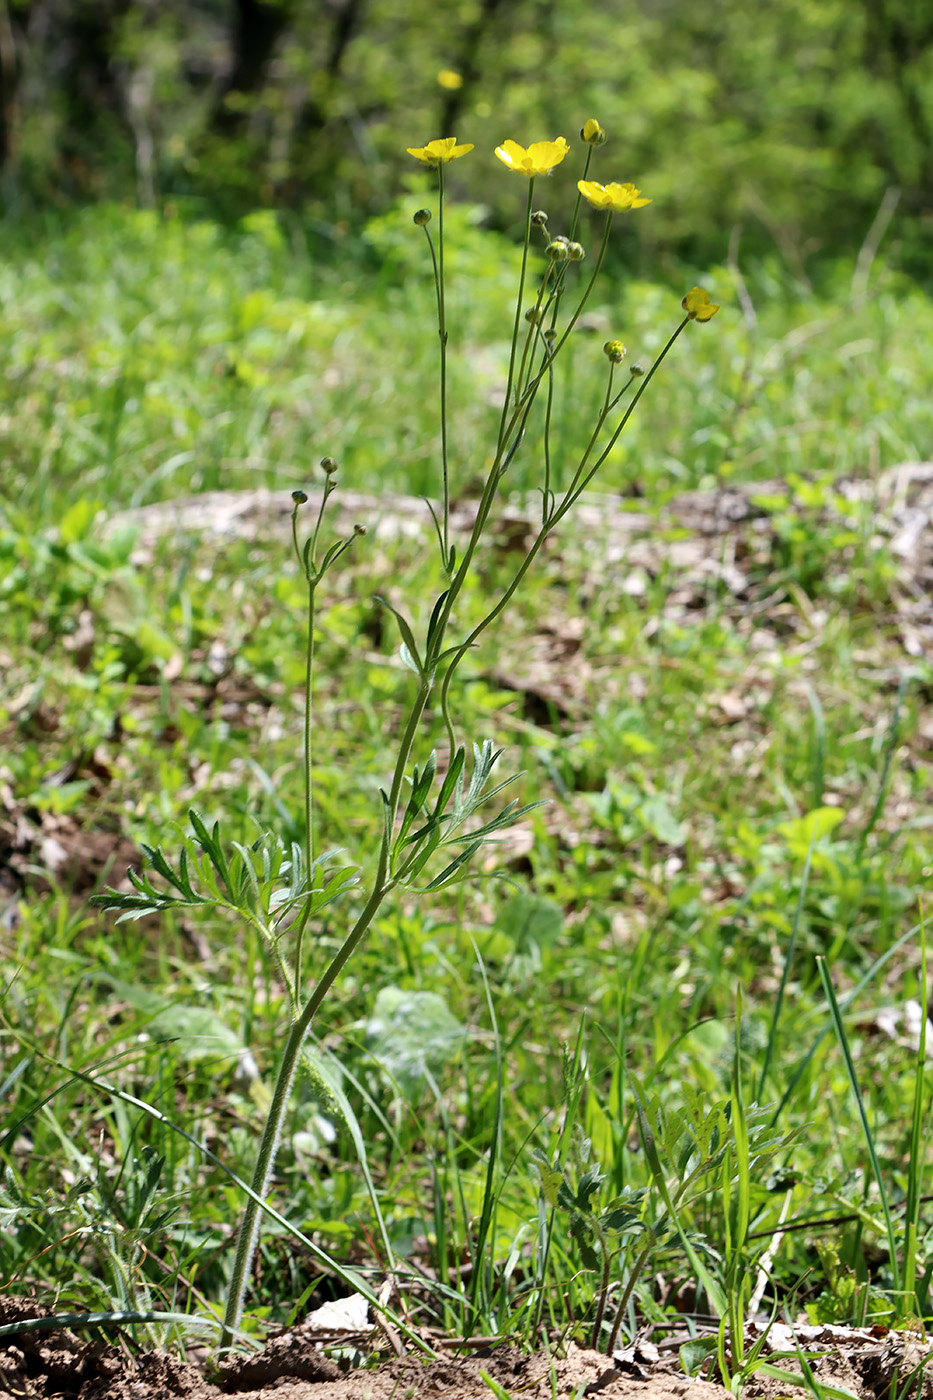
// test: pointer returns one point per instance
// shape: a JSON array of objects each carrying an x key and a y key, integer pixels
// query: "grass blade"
[{"x": 843, "y": 1040}]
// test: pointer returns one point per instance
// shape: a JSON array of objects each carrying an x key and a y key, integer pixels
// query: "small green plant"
[
  {"x": 106, "y": 1224},
  {"x": 602, "y": 1233},
  {"x": 695, "y": 1151},
  {"x": 436, "y": 814},
  {"x": 842, "y": 1298},
  {"x": 907, "y": 1293}
]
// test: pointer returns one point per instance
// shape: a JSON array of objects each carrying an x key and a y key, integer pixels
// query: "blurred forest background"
[{"x": 799, "y": 122}]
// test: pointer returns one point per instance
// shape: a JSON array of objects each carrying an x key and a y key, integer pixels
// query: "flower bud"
[
  {"x": 558, "y": 249},
  {"x": 539, "y": 218},
  {"x": 614, "y": 351},
  {"x": 576, "y": 252},
  {"x": 421, "y": 217},
  {"x": 359, "y": 529},
  {"x": 299, "y": 497},
  {"x": 698, "y": 306},
  {"x": 592, "y": 133},
  {"x": 329, "y": 466},
  {"x": 550, "y": 335},
  {"x": 637, "y": 371},
  {"x": 533, "y": 315}
]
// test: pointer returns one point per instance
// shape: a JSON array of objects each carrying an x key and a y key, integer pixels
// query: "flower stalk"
[{"x": 398, "y": 861}]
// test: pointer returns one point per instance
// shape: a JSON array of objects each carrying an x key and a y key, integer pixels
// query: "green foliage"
[
  {"x": 412, "y": 1035},
  {"x": 716, "y": 788},
  {"x": 840, "y": 1299},
  {"x": 791, "y": 120}
]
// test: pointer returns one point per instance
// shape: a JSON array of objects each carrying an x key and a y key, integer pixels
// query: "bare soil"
[{"x": 869, "y": 1363}]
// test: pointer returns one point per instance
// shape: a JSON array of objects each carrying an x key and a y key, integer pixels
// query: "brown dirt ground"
[{"x": 870, "y": 1363}]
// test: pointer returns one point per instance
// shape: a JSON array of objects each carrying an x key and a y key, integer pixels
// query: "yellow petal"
[
  {"x": 695, "y": 298},
  {"x": 594, "y": 193},
  {"x": 539, "y": 158},
  {"x": 513, "y": 155},
  {"x": 544, "y": 155},
  {"x": 614, "y": 196},
  {"x": 593, "y": 133},
  {"x": 443, "y": 150},
  {"x": 698, "y": 306}
]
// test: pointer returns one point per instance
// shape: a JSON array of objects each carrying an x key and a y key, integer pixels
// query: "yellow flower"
[
  {"x": 698, "y": 305},
  {"x": 539, "y": 159},
  {"x": 614, "y": 196},
  {"x": 438, "y": 152},
  {"x": 450, "y": 79},
  {"x": 593, "y": 133}
]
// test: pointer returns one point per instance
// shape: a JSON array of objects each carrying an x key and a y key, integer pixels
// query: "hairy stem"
[
  {"x": 298, "y": 1033},
  {"x": 603, "y": 1287},
  {"x": 636, "y": 1269}
]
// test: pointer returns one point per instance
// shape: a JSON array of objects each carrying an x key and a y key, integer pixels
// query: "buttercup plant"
[{"x": 431, "y": 823}]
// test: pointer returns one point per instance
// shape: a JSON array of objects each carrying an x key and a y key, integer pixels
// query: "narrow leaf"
[{"x": 408, "y": 636}]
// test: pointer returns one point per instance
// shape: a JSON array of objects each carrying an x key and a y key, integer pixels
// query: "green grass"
[
  {"x": 149, "y": 357},
  {"x": 736, "y": 793}
]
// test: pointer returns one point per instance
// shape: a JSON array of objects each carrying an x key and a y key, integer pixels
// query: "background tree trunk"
[{"x": 256, "y": 29}]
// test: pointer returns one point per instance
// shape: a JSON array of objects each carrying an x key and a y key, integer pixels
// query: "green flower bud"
[
  {"x": 422, "y": 217},
  {"x": 533, "y": 315},
  {"x": 558, "y": 249},
  {"x": 614, "y": 351},
  {"x": 329, "y": 466},
  {"x": 299, "y": 497},
  {"x": 637, "y": 371},
  {"x": 576, "y": 252},
  {"x": 550, "y": 335},
  {"x": 592, "y": 133},
  {"x": 539, "y": 218},
  {"x": 359, "y": 529}
]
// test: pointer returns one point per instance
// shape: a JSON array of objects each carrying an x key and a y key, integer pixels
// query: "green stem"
[
  {"x": 603, "y": 414},
  {"x": 438, "y": 293},
  {"x": 309, "y": 783},
  {"x": 482, "y": 514},
  {"x": 301, "y": 1026},
  {"x": 576, "y": 207},
  {"x": 311, "y": 547},
  {"x": 503, "y": 433},
  {"x": 442, "y": 332},
  {"x": 604, "y": 1286},
  {"x": 571, "y": 1098},
  {"x": 491, "y": 616},
  {"x": 523, "y": 402},
  {"x": 600, "y": 258},
  {"x": 636, "y": 1269},
  {"x": 577, "y": 490},
  {"x": 507, "y": 427},
  {"x": 536, "y": 312},
  {"x": 547, "y": 494},
  {"x": 572, "y": 495}
]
